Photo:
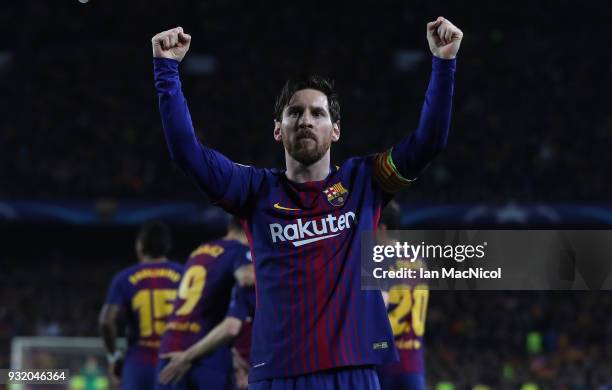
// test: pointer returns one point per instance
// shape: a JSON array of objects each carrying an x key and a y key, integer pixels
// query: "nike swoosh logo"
[
  {"x": 308, "y": 241},
  {"x": 278, "y": 206}
]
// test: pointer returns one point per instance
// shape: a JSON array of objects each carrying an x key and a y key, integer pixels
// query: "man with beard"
[{"x": 314, "y": 327}]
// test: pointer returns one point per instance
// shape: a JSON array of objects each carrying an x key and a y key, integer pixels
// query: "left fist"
[{"x": 444, "y": 38}]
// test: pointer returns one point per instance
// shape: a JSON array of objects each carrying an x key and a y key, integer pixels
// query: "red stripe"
[
  {"x": 312, "y": 313},
  {"x": 351, "y": 317},
  {"x": 291, "y": 329},
  {"x": 306, "y": 306},
  {"x": 302, "y": 300},
  {"x": 320, "y": 315},
  {"x": 334, "y": 304},
  {"x": 345, "y": 285},
  {"x": 376, "y": 220},
  {"x": 293, "y": 321},
  {"x": 341, "y": 318},
  {"x": 322, "y": 292},
  {"x": 154, "y": 286},
  {"x": 333, "y": 352},
  {"x": 308, "y": 317},
  {"x": 357, "y": 340},
  {"x": 287, "y": 304},
  {"x": 247, "y": 231}
]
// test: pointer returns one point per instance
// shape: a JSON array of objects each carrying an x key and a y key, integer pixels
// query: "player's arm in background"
[
  {"x": 228, "y": 184},
  {"x": 226, "y": 331},
  {"x": 107, "y": 322},
  {"x": 385, "y": 297},
  {"x": 244, "y": 272},
  {"x": 402, "y": 164},
  {"x": 241, "y": 370},
  {"x": 180, "y": 362}
]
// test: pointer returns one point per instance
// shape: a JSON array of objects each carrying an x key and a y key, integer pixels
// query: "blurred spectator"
[{"x": 530, "y": 118}]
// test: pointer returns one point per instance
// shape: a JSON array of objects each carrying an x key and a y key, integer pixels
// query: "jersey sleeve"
[
  {"x": 116, "y": 294},
  {"x": 242, "y": 257},
  {"x": 397, "y": 167},
  {"x": 227, "y": 184},
  {"x": 239, "y": 305}
]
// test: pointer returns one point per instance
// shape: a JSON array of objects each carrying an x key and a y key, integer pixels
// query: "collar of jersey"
[
  {"x": 311, "y": 184},
  {"x": 311, "y": 190}
]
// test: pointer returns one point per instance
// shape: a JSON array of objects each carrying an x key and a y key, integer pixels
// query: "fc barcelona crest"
[{"x": 336, "y": 194}]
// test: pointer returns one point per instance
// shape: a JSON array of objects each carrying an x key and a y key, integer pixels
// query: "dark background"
[
  {"x": 530, "y": 119},
  {"x": 531, "y": 123}
]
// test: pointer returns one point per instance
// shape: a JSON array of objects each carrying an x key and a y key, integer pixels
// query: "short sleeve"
[
  {"x": 239, "y": 305},
  {"x": 116, "y": 294},
  {"x": 242, "y": 257}
]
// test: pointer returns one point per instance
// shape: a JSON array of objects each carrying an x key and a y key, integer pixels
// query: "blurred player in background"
[
  {"x": 203, "y": 298},
  {"x": 407, "y": 307},
  {"x": 314, "y": 327},
  {"x": 235, "y": 327},
  {"x": 142, "y": 295}
]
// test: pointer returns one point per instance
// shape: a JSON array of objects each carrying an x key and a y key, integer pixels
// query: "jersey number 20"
[{"x": 408, "y": 301}]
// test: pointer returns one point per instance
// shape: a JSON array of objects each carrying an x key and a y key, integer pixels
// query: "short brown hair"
[{"x": 302, "y": 81}]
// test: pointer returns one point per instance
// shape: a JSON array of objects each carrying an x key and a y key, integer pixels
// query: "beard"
[{"x": 306, "y": 148}]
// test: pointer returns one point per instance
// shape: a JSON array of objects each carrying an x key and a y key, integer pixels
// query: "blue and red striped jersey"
[
  {"x": 311, "y": 312},
  {"x": 146, "y": 293},
  {"x": 305, "y": 238},
  {"x": 204, "y": 292},
  {"x": 242, "y": 307}
]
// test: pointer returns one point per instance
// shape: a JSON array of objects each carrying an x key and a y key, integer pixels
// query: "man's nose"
[{"x": 305, "y": 119}]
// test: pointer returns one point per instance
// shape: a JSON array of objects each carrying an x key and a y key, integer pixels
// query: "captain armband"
[{"x": 386, "y": 174}]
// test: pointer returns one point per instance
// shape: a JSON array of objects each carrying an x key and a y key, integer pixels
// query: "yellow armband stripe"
[{"x": 386, "y": 174}]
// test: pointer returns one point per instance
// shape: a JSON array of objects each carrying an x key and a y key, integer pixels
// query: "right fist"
[{"x": 172, "y": 44}]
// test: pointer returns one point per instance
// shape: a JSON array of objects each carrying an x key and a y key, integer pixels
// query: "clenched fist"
[
  {"x": 172, "y": 44},
  {"x": 444, "y": 38}
]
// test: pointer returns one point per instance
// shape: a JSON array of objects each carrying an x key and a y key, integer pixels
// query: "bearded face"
[{"x": 306, "y": 129}]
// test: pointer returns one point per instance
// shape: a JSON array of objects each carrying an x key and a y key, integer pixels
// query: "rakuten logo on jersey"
[{"x": 302, "y": 233}]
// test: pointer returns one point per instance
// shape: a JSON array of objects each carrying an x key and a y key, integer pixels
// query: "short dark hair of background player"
[
  {"x": 154, "y": 239},
  {"x": 391, "y": 216}
]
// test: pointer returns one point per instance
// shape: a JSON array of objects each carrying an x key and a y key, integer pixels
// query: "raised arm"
[
  {"x": 408, "y": 158},
  {"x": 226, "y": 183}
]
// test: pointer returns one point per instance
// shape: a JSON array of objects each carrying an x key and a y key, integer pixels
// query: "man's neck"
[
  {"x": 238, "y": 236},
  {"x": 147, "y": 259},
  {"x": 300, "y": 173}
]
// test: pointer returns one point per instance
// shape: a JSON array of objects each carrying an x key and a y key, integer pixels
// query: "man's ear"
[
  {"x": 278, "y": 137},
  {"x": 336, "y": 131}
]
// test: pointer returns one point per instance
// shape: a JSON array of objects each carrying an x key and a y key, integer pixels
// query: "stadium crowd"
[{"x": 529, "y": 121}]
